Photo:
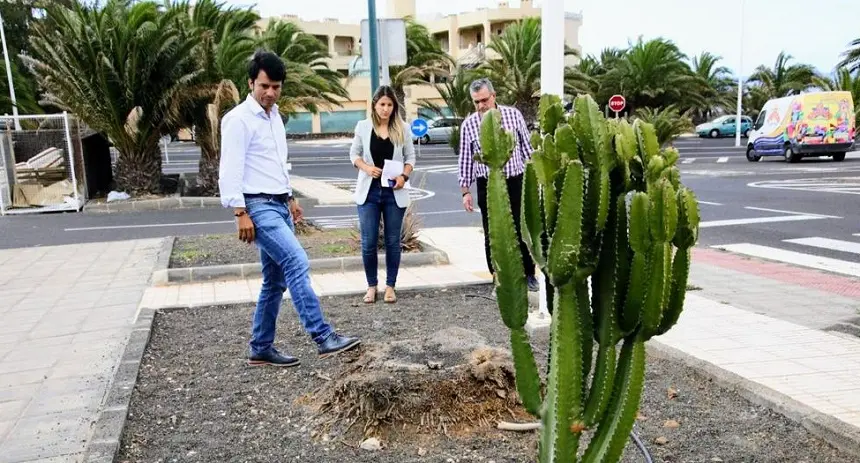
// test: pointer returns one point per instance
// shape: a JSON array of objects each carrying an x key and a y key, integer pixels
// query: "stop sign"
[{"x": 617, "y": 103}]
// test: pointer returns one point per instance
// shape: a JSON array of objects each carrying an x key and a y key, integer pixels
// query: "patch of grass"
[
  {"x": 336, "y": 248},
  {"x": 190, "y": 254}
]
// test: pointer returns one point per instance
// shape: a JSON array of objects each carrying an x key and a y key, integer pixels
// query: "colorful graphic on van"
[
  {"x": 820, "y": 112},
  {"x": 827, "y": 120}
]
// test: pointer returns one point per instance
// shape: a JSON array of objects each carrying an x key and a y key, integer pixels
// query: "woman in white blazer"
[{"x": 384, "y": 136}]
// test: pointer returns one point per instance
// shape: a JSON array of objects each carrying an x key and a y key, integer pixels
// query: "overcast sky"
[{"x": 814, "y": 32}]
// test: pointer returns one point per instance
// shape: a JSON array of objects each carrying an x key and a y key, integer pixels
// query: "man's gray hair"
[{"x": 478, "y": 84}]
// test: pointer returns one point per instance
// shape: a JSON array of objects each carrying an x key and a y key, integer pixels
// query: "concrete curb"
[
  {"x": 163, "y": 276},
  {"x": 837, "y": 433},
  {"x": 107, "y": 431},
  {"x": 174, "y": 202},
  {"x": 322, "y": 192},
  {"x": 338, "y": 293}
]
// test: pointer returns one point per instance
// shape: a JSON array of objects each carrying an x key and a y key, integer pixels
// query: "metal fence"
[{"x": 41, "y": 164}]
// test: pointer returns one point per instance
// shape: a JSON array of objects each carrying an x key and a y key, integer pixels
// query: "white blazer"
[{"x": 361, "y": 149}]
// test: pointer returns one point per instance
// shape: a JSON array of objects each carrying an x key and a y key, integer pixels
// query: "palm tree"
[
  {"x": 668, "y": 122},
  {"x": 224, "y": 44},
  {"x": 118, "y": 67},
  {"x": 516, "y": 74},
  {"x": 852, "y": 56},
  {"x": 719, "y": 85},
  {"x": 654, "y": 74},
  {"x": 843, "y": 80},
  {"x": 310, "y": 83},
  {"x": 783, "y": 79},
  {"x": 424, "y": 56},
  {"x": 455, "y": 93}
]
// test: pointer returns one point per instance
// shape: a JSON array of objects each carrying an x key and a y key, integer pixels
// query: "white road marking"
[
  {"x": 148, "y": 225},
  {"x": 688, "y": 160},
  {"x": 795, "y": 258},
  {"x": 752, "y": 208},
  {"x": 710, "y": 203},
  {"x": 723, "y": 159},
  {"x": 827, "y": 243},
  {"x": 755, "y": 220}
]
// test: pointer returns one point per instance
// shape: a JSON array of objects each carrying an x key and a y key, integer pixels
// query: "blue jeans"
[
  {"x": 380, "y": 202},
  {"x": 285, "y": 265}
]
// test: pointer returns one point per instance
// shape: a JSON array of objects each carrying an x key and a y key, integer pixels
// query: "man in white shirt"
[{"x": 254, "y": 181}]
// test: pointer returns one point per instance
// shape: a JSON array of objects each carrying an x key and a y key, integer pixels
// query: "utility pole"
[
  {"x": 740, "y": 81},
  {"x": 9, "y": 75},
  {"x": 374, "y": 45},
  {"x": 551, "y": 82}
]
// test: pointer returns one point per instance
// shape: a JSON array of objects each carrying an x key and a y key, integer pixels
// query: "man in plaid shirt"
[{"x": 472, "y": 171}]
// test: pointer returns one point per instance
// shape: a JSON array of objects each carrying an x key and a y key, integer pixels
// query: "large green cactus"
[{"x": 601, "y": 204}]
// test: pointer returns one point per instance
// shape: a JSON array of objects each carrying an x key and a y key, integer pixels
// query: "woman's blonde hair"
[{"x": 396, "y": 125}]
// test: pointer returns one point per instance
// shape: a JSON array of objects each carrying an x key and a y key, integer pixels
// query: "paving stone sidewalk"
[{"x": 65, "y": 319}]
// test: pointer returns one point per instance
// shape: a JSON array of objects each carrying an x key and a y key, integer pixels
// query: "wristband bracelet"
[
  {"x": 467, "y": 193},
  {"x": 240, "y": 213}
]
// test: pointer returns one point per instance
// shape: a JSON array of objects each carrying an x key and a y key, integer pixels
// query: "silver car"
[{"x": 438, "y": 130}]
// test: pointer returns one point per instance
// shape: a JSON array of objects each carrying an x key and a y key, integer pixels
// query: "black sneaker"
[
  {"x": 272, "y": 357},
  {"x": 336, "y": 343},
  {"x": 533, "y": 284}
]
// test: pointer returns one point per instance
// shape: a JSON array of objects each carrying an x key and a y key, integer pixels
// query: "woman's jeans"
[
  {"x": 380, "y": 202},
  {"x": 285, "y": 265}
]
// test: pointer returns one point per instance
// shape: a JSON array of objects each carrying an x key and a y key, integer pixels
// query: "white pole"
[
  {"x": 166, "y": 154},
  {"x": 551, "y": 82},
  {"x": 71, "y": 151},
  {"x": 9, "y": 75},
  {"x": 740, "y": 81}
]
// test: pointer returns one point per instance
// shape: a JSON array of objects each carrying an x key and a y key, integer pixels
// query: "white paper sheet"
[{"x": 390, "y": 170}]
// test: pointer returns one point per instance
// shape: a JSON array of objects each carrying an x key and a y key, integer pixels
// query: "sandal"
[
  {"x": 370, "y": 296},
  {"x": 390, "y": 297}
]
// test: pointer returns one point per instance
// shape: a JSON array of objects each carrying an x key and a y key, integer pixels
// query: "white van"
[{"x": 805, "y": 125}]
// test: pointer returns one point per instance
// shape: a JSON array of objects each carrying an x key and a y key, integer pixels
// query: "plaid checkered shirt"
[{"x": 512, "y": 121}]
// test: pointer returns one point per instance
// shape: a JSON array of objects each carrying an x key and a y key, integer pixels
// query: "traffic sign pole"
[{"x": 617, "y": 103}]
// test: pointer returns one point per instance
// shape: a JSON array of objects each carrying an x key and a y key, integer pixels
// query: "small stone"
[
  {"x": 672, "y": 393},
  {"x": 717, "y": 459},
  {"x": 661, "y": 441},
  {"x": 641, "y": 417},
  {"x": 434, "y": 364},
  {"x": 422, "y": 451},
  {"x": 501, "y": 393},
  {"x": 672, "y": 424},
  {"x": 371, "y": 444}
]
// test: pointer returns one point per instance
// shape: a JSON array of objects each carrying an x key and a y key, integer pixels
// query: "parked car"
[
  {"x": 438, "y": 130},
  {"x": 806, "y": 125},
  {"x": 724, "y": 126}
]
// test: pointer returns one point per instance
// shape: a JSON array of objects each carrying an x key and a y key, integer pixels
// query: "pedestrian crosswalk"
[
  {"x": 846, "y": 252},
  {"x": 339, "y": 222},
  {"x": 442, "y": 169},
  {"x": 348, "y": 184}
]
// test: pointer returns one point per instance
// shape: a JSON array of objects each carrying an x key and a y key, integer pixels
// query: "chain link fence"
[{"x": 41, "y": 164}]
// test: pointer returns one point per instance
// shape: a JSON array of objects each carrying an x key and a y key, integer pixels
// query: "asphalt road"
[{"x": 767, "y": 207}]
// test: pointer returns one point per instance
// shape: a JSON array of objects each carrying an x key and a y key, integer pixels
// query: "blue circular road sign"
[{"x": 419, "y": 127}]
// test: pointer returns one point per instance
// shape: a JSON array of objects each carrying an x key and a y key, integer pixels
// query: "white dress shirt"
[{"x": 253, "y": 153}]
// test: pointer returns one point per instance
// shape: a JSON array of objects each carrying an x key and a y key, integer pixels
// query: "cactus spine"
[{"x": 601, "y": 203}]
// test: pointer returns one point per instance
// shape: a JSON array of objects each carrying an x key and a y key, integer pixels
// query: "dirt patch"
[
  {"x": 221, "y": 249},
  {"x": 196, "y": 400}
]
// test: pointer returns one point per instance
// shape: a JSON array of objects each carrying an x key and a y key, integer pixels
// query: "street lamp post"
[
  {"x": 9, "y": 75},
  {"x": 740, "y": 81},
  {"x": 551, "y": 82},
  {"x": 374, "y": 45}
]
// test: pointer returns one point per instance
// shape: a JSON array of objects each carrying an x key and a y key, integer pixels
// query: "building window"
[
  {"x": 300, "y": 123},
  {"x": 340, "y": 121}
]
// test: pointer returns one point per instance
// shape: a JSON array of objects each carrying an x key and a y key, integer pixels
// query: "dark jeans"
[
  {"x": 515, "y": 191},
  {"x": 285, "y": 266},
  {"x": 380, "y": 203}
]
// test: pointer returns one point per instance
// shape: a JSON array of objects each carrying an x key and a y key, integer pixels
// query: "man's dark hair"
[{"x": 267, "y": 61}]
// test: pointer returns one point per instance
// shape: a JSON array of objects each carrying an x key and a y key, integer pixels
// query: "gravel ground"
[
  {"x": 220, "y": 249},
  {"x": 196, "y": 400}
]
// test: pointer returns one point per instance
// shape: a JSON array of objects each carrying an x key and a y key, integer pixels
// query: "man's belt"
[{"x": 282, "y": 197}]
